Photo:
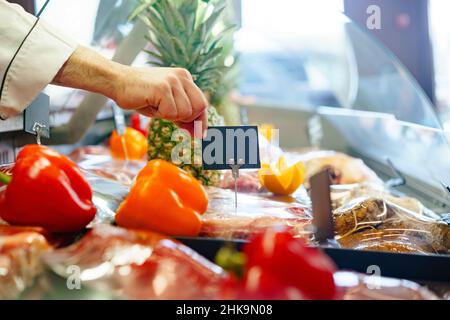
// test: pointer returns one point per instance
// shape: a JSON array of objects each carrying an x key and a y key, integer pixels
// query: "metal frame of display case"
[{"x": 415, "y": 267}]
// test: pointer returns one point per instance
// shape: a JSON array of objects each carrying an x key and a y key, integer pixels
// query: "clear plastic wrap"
[
  {"x": 248, "y": 182},
  {"x": 137, "y": 265},
  {"x": 342, "y": 194},
  {"x": 254, "y": 214},
  {"x": 375, "y": 223},
  {"x": 346, "y": 170},
  {"x": 20, "y": 253},
  {"x": 362, "y": 287},
  {"x": 98, "y": 161}
]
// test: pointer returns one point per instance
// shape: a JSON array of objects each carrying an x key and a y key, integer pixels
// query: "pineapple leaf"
[
  {"x": 212, "y": 19},
  {"x": 175, "y": 21},
  {"x": 156, "y": 64},
  {"x": 168, "y": 21},
  {"x": 158, "y": 30},
  {"x": 220, "y": 68},
  {"x": 197, "y": 38},
  {"x": 221, "y": 36},
  {"x": 179, "y": 47},
  {"x": 164, "y": 54},
  {"x": 209, "y": 57},
  {"x": 145, "y": 4},
  {"x": 155, "y": 55},
  {"x": 188, "y": 10}
]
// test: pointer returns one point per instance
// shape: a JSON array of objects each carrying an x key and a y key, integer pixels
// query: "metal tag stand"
[{"x": 36, "y": 119}]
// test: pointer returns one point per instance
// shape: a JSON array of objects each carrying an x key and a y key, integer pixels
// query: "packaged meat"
[
  {"x": 20, "y": 253},
  {"x": 98, "y": 161},
  {"x": 342, "y": 194},
  {"x": 254, "y": 214},
  {"x": 346, "y": 170},
  {"x": 81, "y": 153},
  {"x": 364, "y": 223},
  {"x": 248, "y": 181},
  {"x": 363, "y": 287},
  {"x": 385, "y": 240},
  {"x": 378, "y": 224},
  {"x": 137, "y": 265}
]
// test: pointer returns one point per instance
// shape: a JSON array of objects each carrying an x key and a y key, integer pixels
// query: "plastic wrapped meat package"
[
  {"x": 138, "y": 265},
  {"x": 20, "y": 252},
  {"x": 141, "y": 265},
  {"x": 379, "y": 223},
  {"x": 98, "y": 161},
  {"x": 362, "y": 287},
  {"x": 254, "y": 214},
  {"x": 20, "y": 259},
  {"x": 345, "y": 169}
]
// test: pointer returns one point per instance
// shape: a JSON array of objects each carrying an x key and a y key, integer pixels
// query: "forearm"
[
  {"x": 168, "y": 93},
  {"x": 88, "y": 70}
]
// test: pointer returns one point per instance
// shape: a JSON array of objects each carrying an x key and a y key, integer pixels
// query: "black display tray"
[{"x": 415, "y": 267}]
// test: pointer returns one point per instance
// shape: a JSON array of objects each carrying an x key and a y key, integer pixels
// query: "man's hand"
[{"x": 168, "y": 93}]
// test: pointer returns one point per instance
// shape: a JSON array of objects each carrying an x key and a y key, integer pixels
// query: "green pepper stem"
[{"x": 4, "y": 178}]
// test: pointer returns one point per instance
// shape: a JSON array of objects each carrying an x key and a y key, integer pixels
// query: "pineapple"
[{"x": 181, "y": 31}]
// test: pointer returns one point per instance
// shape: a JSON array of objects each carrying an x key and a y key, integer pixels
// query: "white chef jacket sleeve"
[{"x": 43, "y": 52}]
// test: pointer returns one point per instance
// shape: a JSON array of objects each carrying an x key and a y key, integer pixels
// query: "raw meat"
[
  {"x": 392, "y": 228},
  {"x": 385, "y": 240},
  {"x": 98, "y": 161},
  {"x": 248, "y": 182},
  {"x": 138, "y": 265},
  {"x": 362, "y": 287},
  {"x": 254, "y": 214},
  {"x": 20, "y": 252}
]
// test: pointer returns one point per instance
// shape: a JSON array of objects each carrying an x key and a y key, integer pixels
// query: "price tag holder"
[
  {"x": 234, "y": 148},
  {"x": 226, "y": 146},
  {"x": 37, "y": 117}
]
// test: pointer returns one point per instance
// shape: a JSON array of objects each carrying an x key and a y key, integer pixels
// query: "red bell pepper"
[
  {"x": 46, "y": 190},
  {"x": 136, "y": 123},
  {"x": 278, "y": 266}
]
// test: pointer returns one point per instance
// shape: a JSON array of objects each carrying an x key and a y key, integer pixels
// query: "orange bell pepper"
[
  {"x": 134, "y": 141},
  {"x": 164, "y": 199}
]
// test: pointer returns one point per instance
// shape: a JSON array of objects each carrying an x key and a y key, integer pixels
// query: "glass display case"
[{"x": 364, "y": 93}]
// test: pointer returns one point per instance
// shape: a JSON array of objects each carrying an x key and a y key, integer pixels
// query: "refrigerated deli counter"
[{"x": 390, "y": 192}]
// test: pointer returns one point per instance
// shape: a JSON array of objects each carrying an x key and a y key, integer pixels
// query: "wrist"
[{"x": 117, "y": 72}]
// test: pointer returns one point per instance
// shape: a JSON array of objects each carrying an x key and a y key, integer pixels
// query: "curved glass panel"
[
  {"x": 323, "y": 58},
  {"x": 315, "y": 59}
]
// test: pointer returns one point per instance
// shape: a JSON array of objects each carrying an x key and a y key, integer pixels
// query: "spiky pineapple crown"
[{"x": 184, "y": 34}]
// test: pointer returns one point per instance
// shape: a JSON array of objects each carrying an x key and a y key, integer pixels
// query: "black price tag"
[{"x": 225, "y": 146}]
